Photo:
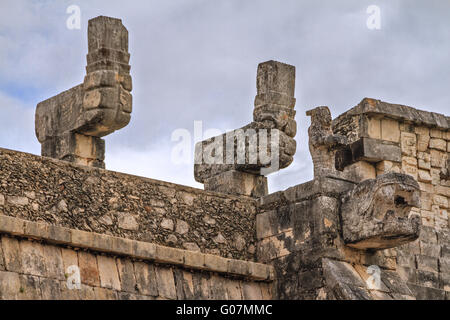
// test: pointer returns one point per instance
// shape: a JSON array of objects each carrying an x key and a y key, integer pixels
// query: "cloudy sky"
[{"x": 196, "y": 60}]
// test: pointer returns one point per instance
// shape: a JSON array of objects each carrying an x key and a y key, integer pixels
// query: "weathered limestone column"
[
  {"x": 70, "y": 125},
  {"x": 237, "y": 162}
]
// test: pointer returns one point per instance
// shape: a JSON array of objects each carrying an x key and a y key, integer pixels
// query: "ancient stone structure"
[
  {"x": 70, "y": 125},
  {"x": 381, "y": 210},
  {"x": 376, "y": 213},
  {"x": 372, "y": 224},
  {"x": 322, "y": 142},
  {"x": 237, "y": 162}
]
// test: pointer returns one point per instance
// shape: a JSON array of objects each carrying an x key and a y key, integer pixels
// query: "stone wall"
[
  {"x": 300, "y": 230},
  {"x": 60, "y": 193},
  {"x": 397, "y": 138},
  {"x": 70, "y": 125},
  {"x": 199, "y": 244},
  {"x": 37, "y": 262},
  {"x": 293, "y": 228},
  {"x": 299, "y": 233}
]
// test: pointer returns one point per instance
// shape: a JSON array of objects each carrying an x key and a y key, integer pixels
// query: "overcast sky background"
[{"x": 197, "y": 59}]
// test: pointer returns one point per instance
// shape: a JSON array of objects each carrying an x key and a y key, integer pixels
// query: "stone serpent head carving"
[{"x": 377, "y": 214}]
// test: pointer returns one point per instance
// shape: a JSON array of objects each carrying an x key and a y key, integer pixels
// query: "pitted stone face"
[
  {"x": 377, "y": 213},
  {"x": 70, "y": 125}
]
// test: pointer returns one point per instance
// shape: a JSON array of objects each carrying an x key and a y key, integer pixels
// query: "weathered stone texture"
[
  {"x": 301, "y": 226},
  {"x": 305, "y": 231},
  {"x": 373, "y": 224},
  {"x": 241, "y": 158},
  {"x": 70, "y": 125},
  {"x": 127, "y": 206},
  {"x": 423, "y": 139},
  {"x": 322, "y": 142},
  {"x": 377, "y": 213}
]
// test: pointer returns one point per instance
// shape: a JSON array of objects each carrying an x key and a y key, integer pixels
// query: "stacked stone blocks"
[{"x": 35, "y": 261}]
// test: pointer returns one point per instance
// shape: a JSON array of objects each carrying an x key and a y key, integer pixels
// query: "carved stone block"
[
  {"x": 238, "y": 183},
  {"x": 259, "y": 148},
  {"x": 69, "y": 125},
  {"x": 377, "y": 214}
]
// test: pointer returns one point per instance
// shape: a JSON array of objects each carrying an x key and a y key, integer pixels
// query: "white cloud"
[{"x": 153, "y": 164}]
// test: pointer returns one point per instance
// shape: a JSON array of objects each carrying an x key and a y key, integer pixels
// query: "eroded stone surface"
[
  {"x": 111, "y": 277},
  {"x": 317, "y": 235},
  {"x": 70, "y": 125},
  {"x": 376, "y": 214},
  {"x": 125, "y": 206},
  {"x": 322, "y": 142},
  {"x": 259, "y": 148}
]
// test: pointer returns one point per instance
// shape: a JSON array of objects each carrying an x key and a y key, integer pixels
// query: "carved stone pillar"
[
  {"x": 70, "y": 125},
  {"x": 237, "y": 162}
]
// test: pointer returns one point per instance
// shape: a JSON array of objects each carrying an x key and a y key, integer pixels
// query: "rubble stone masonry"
[{"x": 90, "y": 199}]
